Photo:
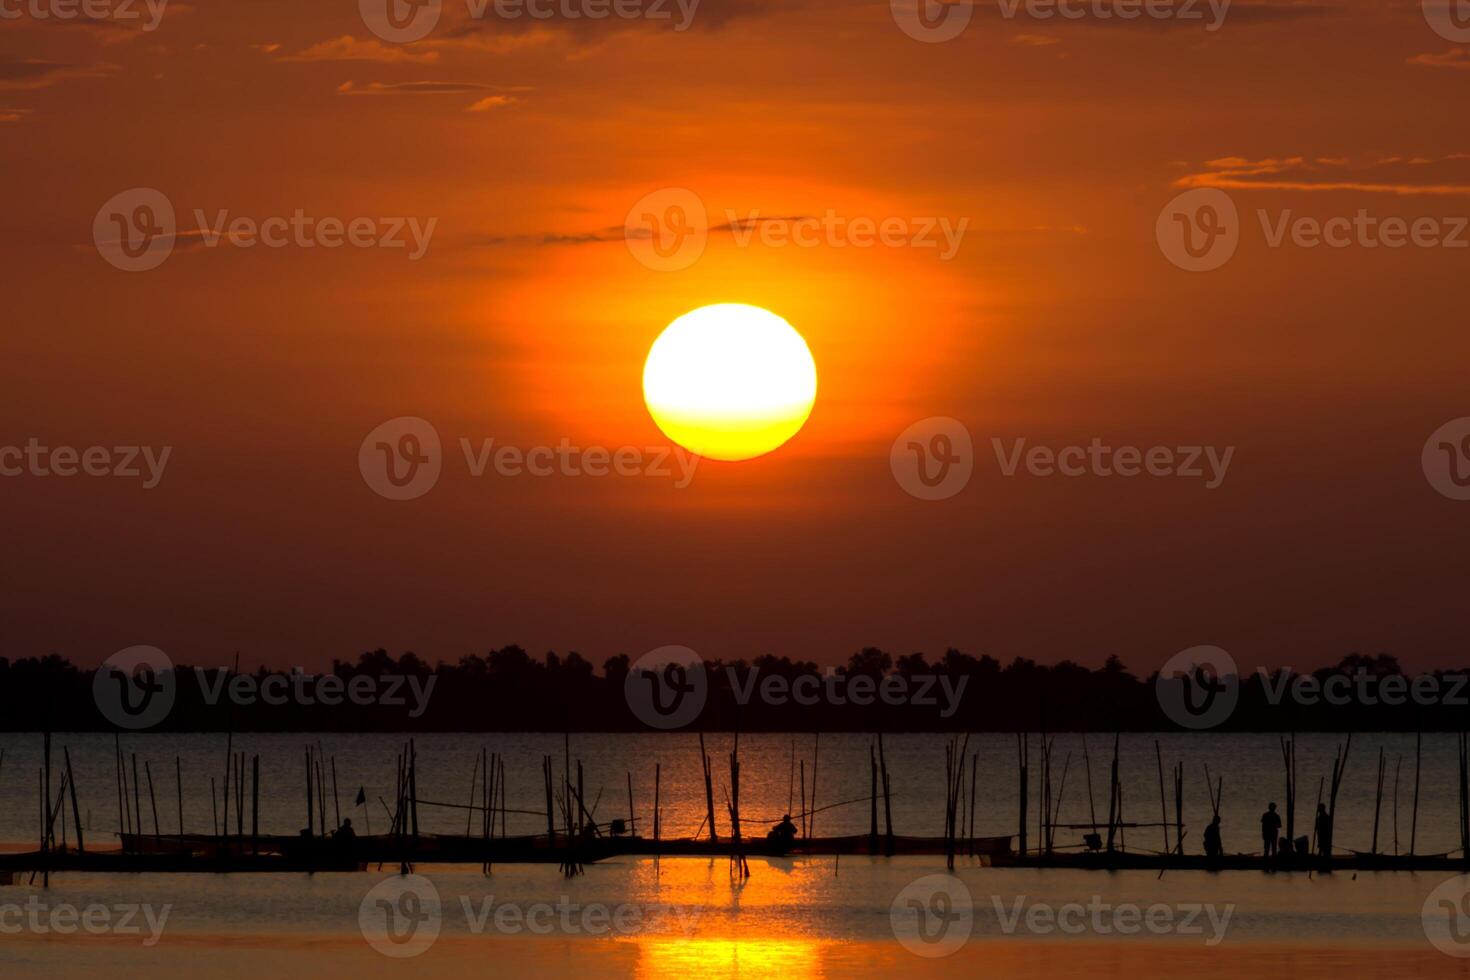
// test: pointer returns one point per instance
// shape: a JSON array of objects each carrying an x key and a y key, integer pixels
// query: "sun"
[{"x": 730, "y": 381}]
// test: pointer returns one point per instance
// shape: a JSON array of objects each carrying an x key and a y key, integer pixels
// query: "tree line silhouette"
[{"x": 510, "y": 690}]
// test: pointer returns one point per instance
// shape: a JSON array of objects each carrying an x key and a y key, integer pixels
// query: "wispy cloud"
[
  {"x": 1400, "y": 175},
  {"x": 1453, "y": 58},
  {"x": 29, "y": 74},
  {"x": 411, "y": 88},
  {"x": 491, "y": 102},
  {"x": 349, "y": 48}
]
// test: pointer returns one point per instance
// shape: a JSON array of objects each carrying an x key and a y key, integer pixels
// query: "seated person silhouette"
[
  {"x": 1213, "y": 848},
  {"x": 784, "y": 833}
]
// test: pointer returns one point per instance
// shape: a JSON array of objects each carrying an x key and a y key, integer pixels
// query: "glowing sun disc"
[{"x": 730, "y": 381}]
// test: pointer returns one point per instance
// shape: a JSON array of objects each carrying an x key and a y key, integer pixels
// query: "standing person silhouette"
[
  {"x": 1270, "y": 830},
  {"x": 1324, "y": 831}
]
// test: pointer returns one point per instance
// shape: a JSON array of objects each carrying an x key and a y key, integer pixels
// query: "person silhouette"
[
  {"x": 1213, "y": 847},
  {"x": 1270, "y": 830},
  {"x": 1324, "y": 831},
  {"x": 784, "y": 833}
]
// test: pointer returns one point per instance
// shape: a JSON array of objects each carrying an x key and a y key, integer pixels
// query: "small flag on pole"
[{"x": 361, "y": 796}]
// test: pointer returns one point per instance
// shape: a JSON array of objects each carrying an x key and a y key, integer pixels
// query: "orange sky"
[{"x": 527, "y": 320}]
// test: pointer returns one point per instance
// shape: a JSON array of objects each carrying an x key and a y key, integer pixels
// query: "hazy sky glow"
[{"x": 1045, "y": 149}]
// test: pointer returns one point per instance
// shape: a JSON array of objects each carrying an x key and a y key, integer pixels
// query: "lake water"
[{"x": 799, "y": 917}]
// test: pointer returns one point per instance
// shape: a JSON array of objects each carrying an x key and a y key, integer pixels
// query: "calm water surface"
[{"x": 794, "y": 917}]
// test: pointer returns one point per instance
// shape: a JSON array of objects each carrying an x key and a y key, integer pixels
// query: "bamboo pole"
[
  {"x": 1397, "y": 766},
  {"x": 474, "y": 782},
  {"x": 811, "y": 824},
  {"x": 1377, "y": 801},
  {"x": 803, "y": 799},
  {"x": 1414, "y": 820},
  {"x": 255, "y": 804},
  {"x": 1163, "y": 804},
  {"x": 873, "y": 807},
  {"x": 1115, "y": 795},
  {"x": 117, "y": 778},
  {"x": 137, "y": 799},
  {"x": 152, "y": 799},
  {"x": 310, "y": 803},
  {"x": 709, "y": 792},
  {"x": 887, "y": 795},
  {"x": 974, "y": 764},
  {"x": 336, "y": 800},
  {"x": 179, "y": 786},
  {"x": 1023, "y": 752},
  {"x": 76, "y": 813}
]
